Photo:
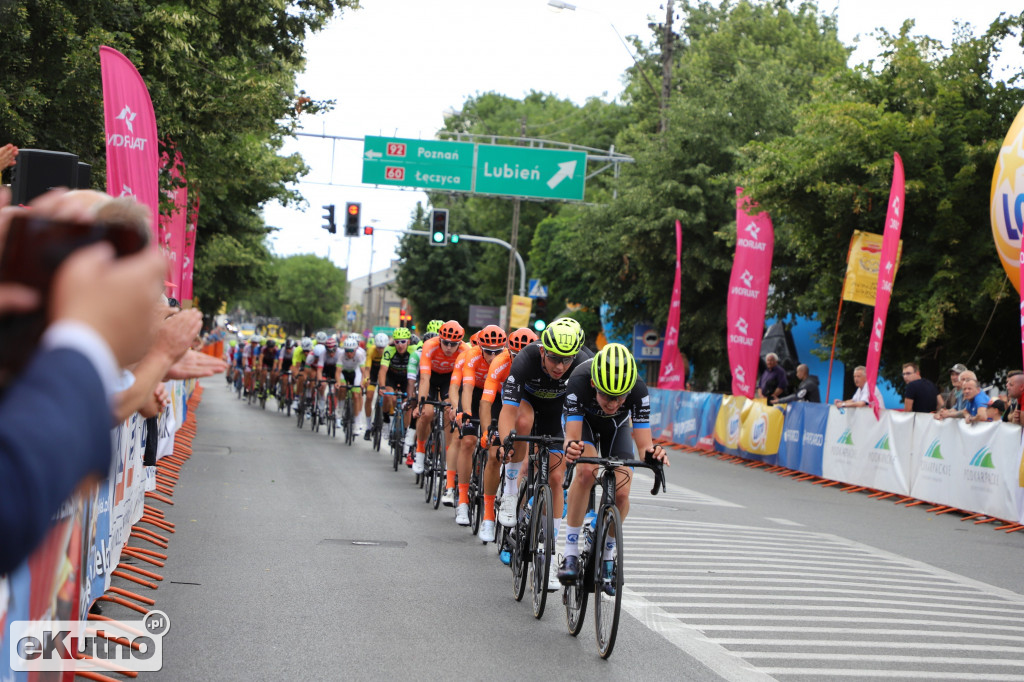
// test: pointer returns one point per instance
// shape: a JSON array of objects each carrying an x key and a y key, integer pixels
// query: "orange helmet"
[
  {"x": 452, "y": 331},
  {"x": 492, "y": 336},
  {"x": 520, "y": 339},
  {"x": 473, "y": 340}
]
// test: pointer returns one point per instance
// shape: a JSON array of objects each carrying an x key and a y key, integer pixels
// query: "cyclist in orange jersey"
[
  {"x": 451, "y": 453},
  {"x": 491, "y": 342},
  {"x": 497, "y": 372},
  {"x": 437, "y": 360}
]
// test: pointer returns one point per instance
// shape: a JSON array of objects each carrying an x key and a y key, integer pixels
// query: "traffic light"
[
  {"x": 540, "y": 307},
  {"x": 352, "y": 213},
  {"x": 453, "y": 238},
  {"x": 329, "y": 217},
  {"x": 439, "y": 227},
  {"x": 368, "y": 230}
]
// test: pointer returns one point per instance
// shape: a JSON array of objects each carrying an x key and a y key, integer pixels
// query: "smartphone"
[{"x": 34, "y": 249}]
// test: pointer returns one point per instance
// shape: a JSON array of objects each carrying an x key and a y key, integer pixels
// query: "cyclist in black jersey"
[
  {"x": 393, "y": 368},
  {"x": 606, "y": 406},
  {"x": 532, "y": 398}
]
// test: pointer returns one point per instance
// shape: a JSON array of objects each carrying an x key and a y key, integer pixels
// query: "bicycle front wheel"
[
  {"x": 518, "y": 538},
  {"x": 541, "y": 547},
  {"x": 378, "y": 426},
  {"x": 427, "y": 478},
  {"x": 608, "y": 582}
]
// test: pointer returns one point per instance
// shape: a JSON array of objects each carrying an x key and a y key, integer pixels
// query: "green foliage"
[
  {"x": 942, "y": 111},
  {"x": 741, "y": 71},
  {"x": 306, "y": 292},
  {"x": 221, "y": 75}
]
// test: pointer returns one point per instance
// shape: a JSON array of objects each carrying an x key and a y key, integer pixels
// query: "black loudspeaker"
[
  {"x": 84, "y": 176},
  {"x": 40, "y": 170}
]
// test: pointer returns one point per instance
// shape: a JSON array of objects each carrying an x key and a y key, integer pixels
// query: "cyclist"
[
  {"x": 299, "y": 363},
  {"x": 237, "y": 359},
  {"x": 332, "y": 361},
  {"x": 268, "y": 364},
  {"x": 393, "y": 368},
  {"x": 532, "y": 398},
  {"x": 451, "y": 454},
  {"x": 491, "y": 340},
  {"x": 413, "y": 376},
  {"x": 433, "y": 327},
  {"x": 607, "y": 405},
  {"x": 437, "y": 360},
  {"x": 496, "y": 375},
  {"x": 283, "y": 368},
  {"x": 351, "y": 362},
  {"x": 370, "y": 376},
  {"x": 250, "y": 360}
]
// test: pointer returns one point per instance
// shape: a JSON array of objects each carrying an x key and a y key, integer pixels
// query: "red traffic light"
[
  {"x": 368, "y": 230},
  {"x": 353, "y": 209}
]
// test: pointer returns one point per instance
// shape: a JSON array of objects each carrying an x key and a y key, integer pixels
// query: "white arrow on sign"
[
  {"x": 565, "y": 170},
  {"x": 373, "y": 155}
]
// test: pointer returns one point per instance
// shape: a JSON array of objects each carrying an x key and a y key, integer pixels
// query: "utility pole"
[
  {"x": 514, "y": 241},
  {"x": 666, "y": 66}
]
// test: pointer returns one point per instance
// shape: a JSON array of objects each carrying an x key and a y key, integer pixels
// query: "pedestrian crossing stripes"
[
  {"x": 780, "y": 603},
  {"x": 640, "y": 491}
]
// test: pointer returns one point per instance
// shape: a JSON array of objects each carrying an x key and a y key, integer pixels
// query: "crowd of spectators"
[{"x": 110, "y": 342}]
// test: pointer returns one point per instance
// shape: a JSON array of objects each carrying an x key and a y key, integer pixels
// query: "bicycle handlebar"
[
  {"x": 648, "y": 462},
  {"x": 545, "y": 440}
]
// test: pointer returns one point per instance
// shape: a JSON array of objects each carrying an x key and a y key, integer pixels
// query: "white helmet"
[
  {"x": 307, "y": 343},
  {"x": 256, "y": 338},
  {"x": 381, "y": 340},
  {"x": 321, "y": 337},
  {"x": 351, "y": 343}
]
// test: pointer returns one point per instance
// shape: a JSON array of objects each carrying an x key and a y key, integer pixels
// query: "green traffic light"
[
  {"x": 454, "y": 238},
  {"x": 539, "y": 325},
  {"x": 438, "y": 237}
]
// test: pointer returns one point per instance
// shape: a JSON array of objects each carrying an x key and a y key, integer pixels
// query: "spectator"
[
  {"x": 8, "y": 156},
  {"x": 994, "y": 410},
  {"x": 952, "y": 395},
  {"x": 920, "y": 394},
  {"x": 98, "y": 309},
  {"x": 955, "y": 410},
  {"x": 861, "y": 396},
  {"x": 806, "y": 391},
  {"x": 1014, "y": 389},
  {"x": 974, "y": 402},
  {"x": 773, "y": 382}
]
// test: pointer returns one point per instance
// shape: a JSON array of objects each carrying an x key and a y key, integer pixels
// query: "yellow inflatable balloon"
[{"x": 1006, "y": 204}]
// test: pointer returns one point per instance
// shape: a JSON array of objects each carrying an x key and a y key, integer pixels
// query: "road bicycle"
[
  {"x": 532, "y": 539},
  {"x": 348, "y": 418},
  {"x": 331, "y": 410},
  {"x": 305, "y": 402},
  {"x": 377, "y": 425},
  {"x": 286, "y": 394},
  {"x": 603, "y": 577},
  {"x": 434, "y": 454},
  {"x": 396, "y": 438},
  {"x": 476, "y": 479}
]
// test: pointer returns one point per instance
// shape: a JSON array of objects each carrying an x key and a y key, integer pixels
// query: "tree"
[
  {"x": 222, "y": 78},
  {"x": 306, "y": 292},
  {"x": 944, "y": 112},
  {"x": 741, "y": 71}
]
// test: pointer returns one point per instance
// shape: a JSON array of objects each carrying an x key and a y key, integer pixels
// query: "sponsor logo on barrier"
[
  {"x": 77, "y": 645},
  {"x": 981, "y": 468},
  {"x": 791, "y": 435},
  {"x": 846, "y": 438},
  {"x": 686, "y": 426},
  {"x": 883, "y": 443},
  {"x": 814, "y": 439},
  {"x": 759, "y": 432},
  {"x": 936, "y": 466},
  {"x": 844, "y": 448},
  {"x": 934, "y": 451},
  {"x": 983, "y": 459},
  {"x": 733, "y": 431}
]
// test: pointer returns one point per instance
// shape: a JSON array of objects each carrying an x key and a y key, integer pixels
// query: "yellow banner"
[
  {"x": 727, "y": 424},
  {"x": 760, "y": 428},
  {"x": 520, "y": 313},
  {"x": 862, "y": 267},
  {"x": 394, "y": 317}
]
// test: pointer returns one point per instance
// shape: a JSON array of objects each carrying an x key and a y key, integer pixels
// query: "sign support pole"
[{"x": 512, "y": 262}]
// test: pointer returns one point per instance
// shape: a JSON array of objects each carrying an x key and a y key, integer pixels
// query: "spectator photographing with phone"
[{"x": 96, "y": 308}]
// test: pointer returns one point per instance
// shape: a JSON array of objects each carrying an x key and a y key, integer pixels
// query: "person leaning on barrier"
[
  {"x": 975, "y": 402},
  {"x": 55, "y": 415},
  {"x": 807, "y": 391},
  {"x": 773, "y": 382},
  {"x": 920, "y": 395},
  {"x": 956, "y": 409},
  {"x": 1014, "y": 389},
  {"x": 860, "y": 396}
]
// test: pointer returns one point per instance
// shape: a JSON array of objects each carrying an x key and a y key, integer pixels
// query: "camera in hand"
[{"x": 35, "y": 248}]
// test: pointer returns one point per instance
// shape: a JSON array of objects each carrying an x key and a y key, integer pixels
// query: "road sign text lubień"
[{"x": 480, "y": 168}]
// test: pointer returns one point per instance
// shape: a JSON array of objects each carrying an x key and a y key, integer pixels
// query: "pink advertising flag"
[
  {"x": 748, "y": 294},
  {"x": 130, "y": 125},
  {"x": 1022, "y": 302},
  {"x": 171, "y": 234},
  {"x": 189, "y": 258},
  {"x": 886, "y": 273},
  {"x": 672, "y": 373}
]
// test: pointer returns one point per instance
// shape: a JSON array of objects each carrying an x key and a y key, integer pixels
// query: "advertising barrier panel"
[
  {"x": 862, "y": 450},
  {"x": 760, "y": 431},
  {"x": 803, "y": 437}
]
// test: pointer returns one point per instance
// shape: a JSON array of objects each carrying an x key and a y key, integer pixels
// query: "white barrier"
[{"x": 864, "y": 451}]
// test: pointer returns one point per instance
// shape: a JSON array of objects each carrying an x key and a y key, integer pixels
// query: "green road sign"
[
  {"x": 480, "y": 168},
  {"x": 430, "y": 164},
  {"x": 530, "y": 172}
]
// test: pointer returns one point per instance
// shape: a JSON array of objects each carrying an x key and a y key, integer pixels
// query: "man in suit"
[{"x": 55, "y": 416}]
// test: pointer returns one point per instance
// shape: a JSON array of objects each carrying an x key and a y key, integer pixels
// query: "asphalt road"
[{"x": 735, "y": 574}]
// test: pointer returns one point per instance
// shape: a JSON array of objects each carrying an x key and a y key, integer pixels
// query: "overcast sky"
[{"x": 395, "y": 66}]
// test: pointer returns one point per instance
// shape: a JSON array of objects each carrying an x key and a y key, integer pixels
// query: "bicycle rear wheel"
[
  {"x": 301, "y": 413},
  {"x": 439, "y": 478},
  {"x": 576, "y": 594},
  {"x": 476, "y": 490},
  {"x": 541, "y": 546},
  {"x": 332, "y": 416},
  {"x": 347, "y": 421},
  {"x": 427, "y": 478},
  {"x": 606, "y": 606},
  {"x": 378, "y": 426},
  {"x": 518, "y": 540}
]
